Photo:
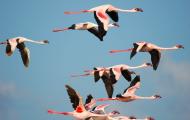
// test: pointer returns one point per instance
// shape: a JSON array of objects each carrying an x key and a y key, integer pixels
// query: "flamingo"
[
  {"x": 130, "y": 118},
  {"x": 102, "y": 12},
  {"x": 100, "y": 109},
  {"x": 154, "y": 50},
  {"x": 91, "y": 27},
  {"x": 79, "y": 113},
  {"x": 18, "y": 42},
  {"x": 129, "y": 93},
  {"x": 111, "y": 75}
]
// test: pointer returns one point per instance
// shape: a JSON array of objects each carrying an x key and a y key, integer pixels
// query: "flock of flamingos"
[{"x": 109, "y": 75}]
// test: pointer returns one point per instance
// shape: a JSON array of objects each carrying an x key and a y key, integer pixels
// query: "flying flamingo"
[
  {"x": 130, "y": 118},
  {"x": 91, "y": 27},
  {"x": 102, "y": 12},
  {"x": 111, "y": 75},
  {"x": 154, "y": 50},
  {"x": 129, "y": 93},
  {"x": 79, "y": 113},
  {"x": 100, "y": 109},
  {"x": 18, "y": 42}
]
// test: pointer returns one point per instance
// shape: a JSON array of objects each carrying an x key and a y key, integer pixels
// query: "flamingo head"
[
  {"x": 45, "y": 41},
  {"x": 179, "y": 46},
  {"x": 147, "y": 64},
  {"x": 137, "y": 10},
  {"x": 114, "y": 25},
  {"x": 157, "y": 97},
  {"x": 115, "y": 112}
]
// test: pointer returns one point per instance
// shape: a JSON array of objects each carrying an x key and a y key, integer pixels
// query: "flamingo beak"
[
  {"x": 46, "y": 41},
  {"x": 116, "y": 24},
  {"x": 140, "y": 10}
]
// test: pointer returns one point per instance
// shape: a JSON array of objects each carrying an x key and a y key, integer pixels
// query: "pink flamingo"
[
  {"x": 131, "y": 118},
  {"x": 18, "y": 42},
  {"x": 91, "y": 27},
  {"x": 111, "y": 75},
  {"x": 79, "y": 113},
  {"x": 154, "y": 50},
  {"x": 101, "y": 14},
  {"x": 129, "y": 93}
]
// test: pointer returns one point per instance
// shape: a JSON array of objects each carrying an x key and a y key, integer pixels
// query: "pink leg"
[{"x": 116, "y": 51}]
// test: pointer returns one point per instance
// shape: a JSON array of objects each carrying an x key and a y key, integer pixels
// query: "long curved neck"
[
  {"x": 169, "y": 48},
  {"x": 37, "y": 42},
  {"x": 147, "y": 97},
  {"x": 140, "y": 66},
  {"x": 122, "y": 10}
]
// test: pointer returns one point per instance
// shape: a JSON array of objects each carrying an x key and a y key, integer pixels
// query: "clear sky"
[{"x": 26, "y": 94}]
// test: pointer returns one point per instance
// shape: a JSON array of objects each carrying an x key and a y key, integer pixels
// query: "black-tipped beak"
[
  {"x": 46, "y": 41},
  {"x": 141, "y": 10},
  {"x": 116, "y": 24}
]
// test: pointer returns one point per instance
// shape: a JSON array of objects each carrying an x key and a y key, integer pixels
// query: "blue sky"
[{"x": 28, "y": 93}]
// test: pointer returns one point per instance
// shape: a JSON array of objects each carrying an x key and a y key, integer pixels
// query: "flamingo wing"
[
  {"x": 88, "y": 99},
  {"x": 126, "y": 74},
  {"x": 74, "y": 97},
  {"x": 113, "y": 15},
  {"x": 96, "y": 75},
  {"x": 95, "y": 32},
  {"x": 10, "y": 48},
  {"x": 108, "y": 85},
  {"x": 133, "y": 52},
  {"x": 155, "y": 58},
  {"x": 90, "y": 102},
  {"x": 25, "y": 54},
  {"x": 114, "y": 75},
  {"x": 135, "y": 84},
  {"x": 102, "y": 21}
]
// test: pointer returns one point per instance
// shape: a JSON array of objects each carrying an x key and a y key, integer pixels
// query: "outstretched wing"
[
  {"x": 25, "y": 54},
  {"x": 155, "y": 58},
  {"x": 10, "y": 48},
  {"x": 74, "y": 97},
  {"x": 126, "y": 74},
  {"x": 108, "y": 85},
  {"x": 114, "y": 75},
  {"x": 113, "y": 15},
  {"x": 88, "y": 99},
  {"x": 90, "y": 102},
  {"x": 135, "y": 84},
  {"x": 96, "y": 75},
  {"x": 133, "y": 52},
  {"x": 95, "y": 32},
  {"x": 102, "y": 21}
]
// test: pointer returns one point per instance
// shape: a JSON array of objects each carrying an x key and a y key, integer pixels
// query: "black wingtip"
[
  {"x": 67, "y": 86},
  {"x": 101, "y": 39},
  {"x": 137, "y": 78},
  {"x": 155, "y": 67},
  {"x": 119, "y": 96}
]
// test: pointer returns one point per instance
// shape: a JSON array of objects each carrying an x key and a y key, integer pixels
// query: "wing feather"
[{"x": 155, "y": 58}]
